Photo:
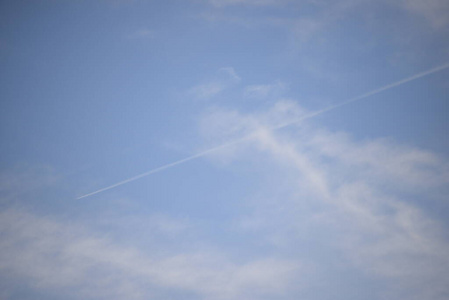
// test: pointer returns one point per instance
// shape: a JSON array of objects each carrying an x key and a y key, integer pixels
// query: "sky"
[{"x": 224, "y": 149}]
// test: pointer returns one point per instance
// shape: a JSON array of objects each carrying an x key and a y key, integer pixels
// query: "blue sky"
[{"x": 347, "y": 203}]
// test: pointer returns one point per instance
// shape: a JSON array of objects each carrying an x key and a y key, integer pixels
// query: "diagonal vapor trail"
[
  {"x": 161, "y": 168},
  {"x": 283, "y": 125},
  {"x": 365, "y": 95}
]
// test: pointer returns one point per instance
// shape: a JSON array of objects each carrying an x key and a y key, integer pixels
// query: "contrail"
[
  {"x": 308, "y": 116},
  {"x": 161, "y": 168},
  {"x": 366, "y": 95}
]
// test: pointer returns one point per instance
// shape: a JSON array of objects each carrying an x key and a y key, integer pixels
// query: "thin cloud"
[
  {"x": 49, "y": 254},
  {"x": 265, "y": 90},
  {"x": 225, "y": 78},
  {"x": 142, "y": 34},
  {"x": 229, "y": 71},
  {"x": 436, "y": 12},
  {"x": 374, "y": 225},
  {"x": 208, "y": 90}
]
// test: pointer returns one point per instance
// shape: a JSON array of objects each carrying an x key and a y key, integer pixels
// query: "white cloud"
[
  {"x": 436, "y": 12},
  {"x": 383, "y": 160},
  {"x": 219, "y": 126},
  {"x": 225, "y": 78},
  {"x": 368, "y": 198},
  {"x": 208, "y": 90},
  {"x": 22, "y": 180},
  {"x": 49, "y": 254},
  {"x": 230, "y": 73},
  {"x": 266, "y": 90}
]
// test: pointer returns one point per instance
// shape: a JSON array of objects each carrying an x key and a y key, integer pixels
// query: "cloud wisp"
[
  {"x": 225, "y": 78},
  {"x": 280, "y": 126},
  {"x": 57, "y": 255},
  {"x": 357, "y": 197}
]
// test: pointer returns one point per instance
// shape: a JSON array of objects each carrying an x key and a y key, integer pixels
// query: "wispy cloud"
[
  {"x": 225, "y": 78},
  {"x": 436, "y": 12},
  {"x": 230, "y": 73},
  {"x": 49, "y": 254},
  {"x": 25, "y": 179},
  {"x": 142, "y": 34},
  {"x": 208, "y": 90},
  {"x": 359, "y": 195},
  {"x": 266, "y": 90},
  {"x": 313, "y": 28}
]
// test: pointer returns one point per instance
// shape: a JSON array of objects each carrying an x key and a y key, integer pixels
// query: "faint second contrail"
[{"x": 308, "y": 116}]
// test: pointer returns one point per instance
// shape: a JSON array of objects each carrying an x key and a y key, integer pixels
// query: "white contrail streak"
[
  {"x": 366, "y": 95},
  {"x": 161, "y": 168},
  {"x": 308, "y": 116}
]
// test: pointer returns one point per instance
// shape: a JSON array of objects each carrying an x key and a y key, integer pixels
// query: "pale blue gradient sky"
[{"x": 349, "y": 204}]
